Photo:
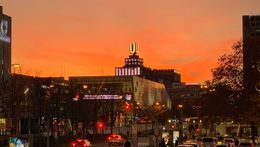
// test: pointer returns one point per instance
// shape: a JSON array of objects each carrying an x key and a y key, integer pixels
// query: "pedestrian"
[
  {"x": 193, "y": 137},
  {"x": 177, "y": 142},
  {"x": 127, "y": 143},
  {"x": 162, "y": 143}
]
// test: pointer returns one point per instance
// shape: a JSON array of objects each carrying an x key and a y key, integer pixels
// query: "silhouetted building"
[
  {"x": 5, "y": 66},
  {"x": 251, "y": 69},
  {"x": 5, "y": 45},
  {"x": 251, "y": 54},
  {"x": 134, "y": 66},
  {"x": 190, "y": 96}
]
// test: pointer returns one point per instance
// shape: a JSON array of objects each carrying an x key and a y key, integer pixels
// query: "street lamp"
[
  {"x": 26, "y": 105},
  {"x": 13, "y": 84},
  {"x": 180, "y": 107}
]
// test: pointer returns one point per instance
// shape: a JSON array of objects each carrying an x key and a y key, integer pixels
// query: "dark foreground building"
[
  {"x": 5, "y": 66},
  {"x": 251, "y": 61},
  {"x": 251, "y": 53},
  {"x": 5, "y": 45}
]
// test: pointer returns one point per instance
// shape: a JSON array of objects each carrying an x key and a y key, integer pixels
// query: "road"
[
  {"x": 103, "y": 144},
  {"x": 142, "y": 142}
]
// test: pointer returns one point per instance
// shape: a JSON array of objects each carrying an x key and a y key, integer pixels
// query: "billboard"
[
  {"x": 5, "y": 28},
  {"x": 5, "y": 46},
  {"x": 19, "y": 142}
]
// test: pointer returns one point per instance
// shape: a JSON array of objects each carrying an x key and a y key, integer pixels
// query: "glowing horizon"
[{"x": 91, "y": 38}]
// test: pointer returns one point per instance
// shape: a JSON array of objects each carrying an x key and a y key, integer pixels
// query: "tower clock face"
[{"x": 4, "y": 27}]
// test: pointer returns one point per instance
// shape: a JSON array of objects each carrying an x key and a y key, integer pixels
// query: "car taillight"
[
  {"x": 109, "y": 138},
  {"x": 73, "y": 144},
  {"x": 79, "y": 140},
  {"x": 85, "y": 145},
  {"x": 201, "y": 144}
]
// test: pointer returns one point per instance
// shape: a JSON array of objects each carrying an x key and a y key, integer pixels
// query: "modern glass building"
[
  {"x": 122, "y": 96},
  {"x": 138, "y": 90}
]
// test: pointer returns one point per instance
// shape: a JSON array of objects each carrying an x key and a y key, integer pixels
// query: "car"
[
  {"x": 246, "y": 144},
  {"x": 193, "y": 144},
  {"x": 221, "y": 145},
  {"x": 115, "y": 139},
  {"x": 208, "y": 142},
  {"x": 80, "y": 142},
  {"x": 185, "y": 145},
  {"x": 219, "y": 140},
  {"x": 229, "y": 141}
]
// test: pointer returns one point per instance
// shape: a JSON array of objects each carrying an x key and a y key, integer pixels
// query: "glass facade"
[
  {"x": 148, "y": 93},
  {"x": 143, "y": 91}
]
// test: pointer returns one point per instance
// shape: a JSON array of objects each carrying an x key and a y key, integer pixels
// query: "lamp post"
[
  {"x": 13, "y": 103},
  {"x": 180, "y": 107},
  {"x": 26, "y": 105}
]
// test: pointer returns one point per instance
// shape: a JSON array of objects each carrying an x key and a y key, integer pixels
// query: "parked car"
[
  {"x": 246, "y": 144},
  {"x": 219, "y": 140},
  {"x": 80, "y": 142},
  {"x": 193, "y": 144},
  {"x": 185, "y": 145},
  {"x": 229, "y": 141},
  {"x": 221, "y": 145},
  {"x": 208, "y": 141},
  {"x": 115, "y": 139}
]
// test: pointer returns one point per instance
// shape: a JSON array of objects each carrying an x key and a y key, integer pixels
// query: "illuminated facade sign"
[
  {"x": 125, "y": 88},
  {"x": 4, "y": 28},
  {"x": 102, "y": 97}
]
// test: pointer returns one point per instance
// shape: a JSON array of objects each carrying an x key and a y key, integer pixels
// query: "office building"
[
  {"x": 5, "y": 45},
  {"x": 129, "y": 99},
  {"x": 134, "y": 66}
]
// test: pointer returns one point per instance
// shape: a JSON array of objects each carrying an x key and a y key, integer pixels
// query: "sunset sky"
[{"x": 91, "y": 37}]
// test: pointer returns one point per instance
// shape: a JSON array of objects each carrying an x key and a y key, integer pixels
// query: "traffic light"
[
  {"x": 77, "y": 97},
  {"x": 127, "y": 107},
  {"x": 100, "y": 125}
]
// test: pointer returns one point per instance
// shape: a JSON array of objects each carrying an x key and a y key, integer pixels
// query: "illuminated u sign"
[{"x": 133, "y": 48}]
